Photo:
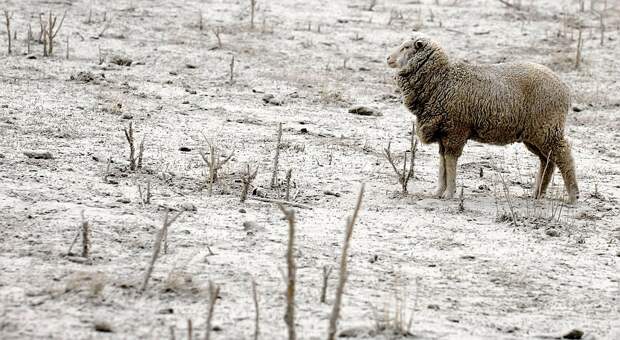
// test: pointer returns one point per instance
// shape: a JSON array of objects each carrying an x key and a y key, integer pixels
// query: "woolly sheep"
[{"x": 497, "y": 104}]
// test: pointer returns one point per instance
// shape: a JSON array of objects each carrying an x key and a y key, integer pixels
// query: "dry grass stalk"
[
  {"x": 579, "y": 47},
  {"x": 201, "y": 25},
  {"x": 214, "y": 292},
  {"x": 145, "y": 196},
  {"x": 232, "y": 69},
  {"x": 247, "y": 178},
  {"x": 257, "y": 311},
  {"x": 371, "y": 5},
  {"x": 289, "y": 174},
  {"x": 342, "y": 273},
  {"x": 85, "y": 237},
  {"x": 217, "y": 31},
  {"x": 214, "y": 163},
  {"x": 7, "y": 18},
  {"x": 135, "y": 162},
  {"x": 513, "y": 215},
  {"x": 190, "y": 329},
  {"x": 172, "y": 335},
  {"x": 90, "y": 15},
  {"x": 252, "y": 10},
  {"x": 289, "y": 316},
  {"x": 67, "y": 51},
  {"x": 52, "y": 30},
  {"x": 28, "y": 41},
  {"x": 276, "y": 158},
  {"x": 461, "y": 200},
  {"x": 282, "y": 202},
  {"x": 406, "y": 174},
  {"x": 157, "y": 248},
  {"x": 327, "y": 270}
]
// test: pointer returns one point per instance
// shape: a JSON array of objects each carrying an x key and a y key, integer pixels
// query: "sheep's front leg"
[
  {"x": 453, "y": 147},
  {"x": 441, "y": 180}
]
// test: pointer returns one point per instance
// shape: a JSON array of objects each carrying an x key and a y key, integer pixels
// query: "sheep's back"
[{"x": 503, "y": 102}]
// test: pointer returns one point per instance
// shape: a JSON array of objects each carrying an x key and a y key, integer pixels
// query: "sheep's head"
[{"x": 412, "y": 53}]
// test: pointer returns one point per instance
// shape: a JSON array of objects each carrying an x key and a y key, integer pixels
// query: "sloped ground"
[{"x": 461, "y": 274}]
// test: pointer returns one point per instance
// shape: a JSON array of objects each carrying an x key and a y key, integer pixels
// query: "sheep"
[{"x": 496, "y": 104}]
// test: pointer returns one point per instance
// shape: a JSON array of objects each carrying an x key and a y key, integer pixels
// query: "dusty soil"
[{"x": 470, "y": 273}]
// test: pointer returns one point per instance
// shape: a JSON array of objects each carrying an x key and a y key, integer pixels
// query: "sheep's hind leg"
[
  {"x": 545, "y": 171},
  {"x": 561, "y": 154},
  {"x": 451, "y": 161},
  {"x": 441, "y": 180}
]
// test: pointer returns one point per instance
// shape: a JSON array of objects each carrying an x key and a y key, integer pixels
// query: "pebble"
[
  {"x": 187, "y": 206},
  {"x": 103, "y": 326},
  {"x": 365, "y": 111},
  {"x": 39, "y": 154},
  {"x": 573, "y": 334},
  {"x": 271, "y": 99}
]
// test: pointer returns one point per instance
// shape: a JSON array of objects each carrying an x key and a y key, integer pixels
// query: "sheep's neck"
[{"x": 420, "y": 90}]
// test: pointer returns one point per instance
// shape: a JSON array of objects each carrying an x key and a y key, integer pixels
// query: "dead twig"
[
  {"x": 327, "y": 270},
  {"x": 276, "y": 158},
  {"x": 135, "y": 162},
  {"x": 406, "y": 174},
  {"x": 281, "y": 202},
  {"x": 7, "y": 18},
  {"x": 289, "y": 316},
  {"x": 157, "y": 248},
  {"x": 247, "y": 178},
  {"x": 342, "y": 273},
  {"x": 214, "y": 163},
  {"x": 214, "y": 292},
  {"x": 257, "y": 311}
]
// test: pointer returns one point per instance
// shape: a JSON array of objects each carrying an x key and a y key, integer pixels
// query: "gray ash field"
[{"x": 490, "y": 264}]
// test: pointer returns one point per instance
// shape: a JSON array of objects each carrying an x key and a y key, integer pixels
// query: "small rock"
[
  {"x": 185, "y": 149},
  {"x": 191, "y": 66},
  {"x": 39, "y": 154},
  {"x": 31, "y": 56},
  {"x": 304, "y": 130},
  {"x": 574, "y": 334},
  {"x": 120, "y": 60},
  {"x": 258, "y": 90},
  {"x": 166, "y": 311},
  {"x": 331, "y": 193},
  {"x": 271, "y": 99},
  {"x": 5, "y": 106},
  {"x": 1, "y": 155},
  {"x": 365, "y": 111},
  {"x": 354, "y": 332},
  {"x": 185, "y": 102},
  {"x": 123, "y": 200},
  {"x": 577, "y": 109},
  {"x": 127, "y": 116},
  {"x": 249, "y": 225},
  {"x": 433, "y": 306},
  {"x": 552, "y": 232},
  {"x": 103, "y": 326},
  {"x": 187, "y": 206},
  {"x": 243, "y": 211}
]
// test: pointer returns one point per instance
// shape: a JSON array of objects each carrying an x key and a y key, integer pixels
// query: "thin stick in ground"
[
  {"x": 247, "y": 178},
  {"x": 214, "y": 163},
  {"x": 7, "y": 18},
  {"x": 52, "y": 30},
  {"x": 85, "y": 237},
  {"x": 289, "y": 315},
  {"x": 327, "y": 270},
  {"x": 289, "y": 174},
  {"x": 342, "y": 273},
  {"x": 232, "y": 69},
  {"x": 157, "y": 248},
  {"x": 406, "y": 174},
  {"x": 257, "y": 311},
  {"x": 214, "y": 292},
  {"x": 135, "y": 161},
  {"x": 276, "y": 158}
]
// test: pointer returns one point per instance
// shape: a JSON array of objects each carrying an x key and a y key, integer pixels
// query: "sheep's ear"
[{"x": 418, "y": 44}]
